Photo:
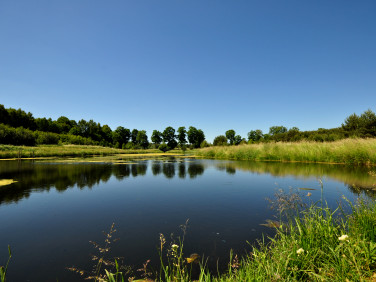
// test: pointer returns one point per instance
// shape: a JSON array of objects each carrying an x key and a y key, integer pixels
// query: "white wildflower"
[
  {"x": 300, "y": 251},
  {"x": 343, "y": 237}
]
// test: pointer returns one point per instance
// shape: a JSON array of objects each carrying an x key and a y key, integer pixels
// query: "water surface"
[{"x": 49, "y": 216}]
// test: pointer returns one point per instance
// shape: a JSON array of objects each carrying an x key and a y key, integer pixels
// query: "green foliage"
[
  {"x": 46, "y": 137},
  {"x": 163, "y": 147},
  {"x": 255, "y": 135},
  {"x": 182, "y": 134},
  {"x": 195, "y": 137},
  {"x": 169, "y": 137},
  {"x": 121, "y": 135},
  {"x": 230, "y": 135},
  {"x": 156, "y": 137},
  {"x": 16, "y": 136},
  {"x": 204, "y": 144},
  {"x": 237, "y": 139},
  {"x": 220, "y": 140},
  {"x": 273, "y": 130},
  {"x": 134, "y": 136},
  {"x": 142, "y": 139}
]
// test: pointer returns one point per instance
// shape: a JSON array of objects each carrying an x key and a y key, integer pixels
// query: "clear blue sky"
[{"x": 213, "y": 64}]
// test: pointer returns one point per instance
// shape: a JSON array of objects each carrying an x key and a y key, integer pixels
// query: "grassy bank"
[
  {"x": 349, "y": 151},
  {"x": 43, "y": 151}
]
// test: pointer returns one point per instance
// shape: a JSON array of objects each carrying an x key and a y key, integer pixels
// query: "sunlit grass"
[
  {"x": 43, "y": 151},
  {"x": 349, "y": 151}
]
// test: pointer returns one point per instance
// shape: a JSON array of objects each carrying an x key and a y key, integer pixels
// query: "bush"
[
  {"x": 47, "y": 138},
  {"x": 220, "y": 140},
  {"x": 163, "y": 147}
]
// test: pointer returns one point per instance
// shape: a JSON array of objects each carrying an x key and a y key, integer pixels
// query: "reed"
[{"x": 347, "y": 151}]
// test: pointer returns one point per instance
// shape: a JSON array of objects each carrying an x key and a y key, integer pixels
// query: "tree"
[
  {"x": 134, "y": 136},
  {"x": 230, "y": 134},
  {"x": 237, "y": 139},
  {"x": 156, "y": 137},
  {"x": 169, "y": 137},
  {"x": 273, "y": 130},
  {"x": 255, "y": 135},
  {"x": 195, "y": 136},
  {"x": 220, "y": 140},
  {"x": 106, "y": 133},
  {"x": 142, "y": 139},
  {"x": 368, "y": 122},
  {"x": 182, "y": 133},
  {"x": 121, "y": 136}
]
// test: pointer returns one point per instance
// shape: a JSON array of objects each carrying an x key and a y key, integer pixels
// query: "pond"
[{"x": 55, "y": 208}]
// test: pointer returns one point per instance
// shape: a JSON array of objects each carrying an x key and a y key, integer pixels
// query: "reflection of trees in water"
[
  {"x": 169, "y": 170},
  {"x": 156, "y": 167},
  {"x": 43, "y": 177},
  {"x": 139, "y": 169},
  {"x": 230, "y": 170},
  {"x": 195, "y": 169},
  {"x": 34, "y": 176},
  {"x": 181, "y": 168},
  {"x": 357, "y": 178},
  {"x": 121, "y": 171},
  {"x": 359, "y": 190}
]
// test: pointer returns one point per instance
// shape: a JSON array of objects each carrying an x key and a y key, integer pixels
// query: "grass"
[
  {"x": 44, "y": 151},
  {"x": 347, "y": 151}
]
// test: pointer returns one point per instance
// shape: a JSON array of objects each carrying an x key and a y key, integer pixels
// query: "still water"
[{"x": 54, "y": 209}]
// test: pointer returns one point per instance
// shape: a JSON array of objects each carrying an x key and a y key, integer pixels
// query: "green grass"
[
  {"x": 348, "y": 151},
  {"x": 43, "y": 151}
]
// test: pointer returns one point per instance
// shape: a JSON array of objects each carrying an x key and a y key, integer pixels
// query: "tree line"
[
  {"x": 359, "y": 126},
  {"x": 20, "y": 128}
]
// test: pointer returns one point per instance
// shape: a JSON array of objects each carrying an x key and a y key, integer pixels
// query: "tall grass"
[{"x": 348, "y": 151}]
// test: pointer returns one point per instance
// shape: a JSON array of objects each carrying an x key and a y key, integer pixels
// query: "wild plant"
[
  {"x": 112, "y": 271},
  {"x": 3, "y": 269}
]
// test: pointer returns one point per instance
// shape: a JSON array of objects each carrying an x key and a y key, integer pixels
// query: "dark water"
[{"x": 49, "y": 216}]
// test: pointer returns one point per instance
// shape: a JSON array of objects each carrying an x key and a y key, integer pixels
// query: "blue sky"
[{"x": 213, "y": 64}]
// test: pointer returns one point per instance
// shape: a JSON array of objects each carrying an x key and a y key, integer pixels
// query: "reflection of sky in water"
[{"x": 49, "y": 229}]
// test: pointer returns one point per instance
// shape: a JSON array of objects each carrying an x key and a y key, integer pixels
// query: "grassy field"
[
  {"x": 43, "y": 151},
  {"x": 348, "y": 151}
]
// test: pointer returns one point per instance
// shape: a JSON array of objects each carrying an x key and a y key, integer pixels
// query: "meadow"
[
  {"x": 346, "y": 151},
  {"x": 56, "y": 151}
]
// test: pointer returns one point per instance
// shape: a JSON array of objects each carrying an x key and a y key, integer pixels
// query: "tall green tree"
[
  {"x": 237, "y": 139},
  {"x": 142, "y": 139},
  {"x": 273, "y": 130},
  {"x": 255, "y": 135},
  {"x": 121, "y": 136},
  {"x": 169, "y": 137},
  {"x": 134, "y": 136},
  {"x": 195, "y": 136},
  {"x": 230, "y": 134},
  {"x": 156, "y": 137},
  {"x": 182, "y": 135}
]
